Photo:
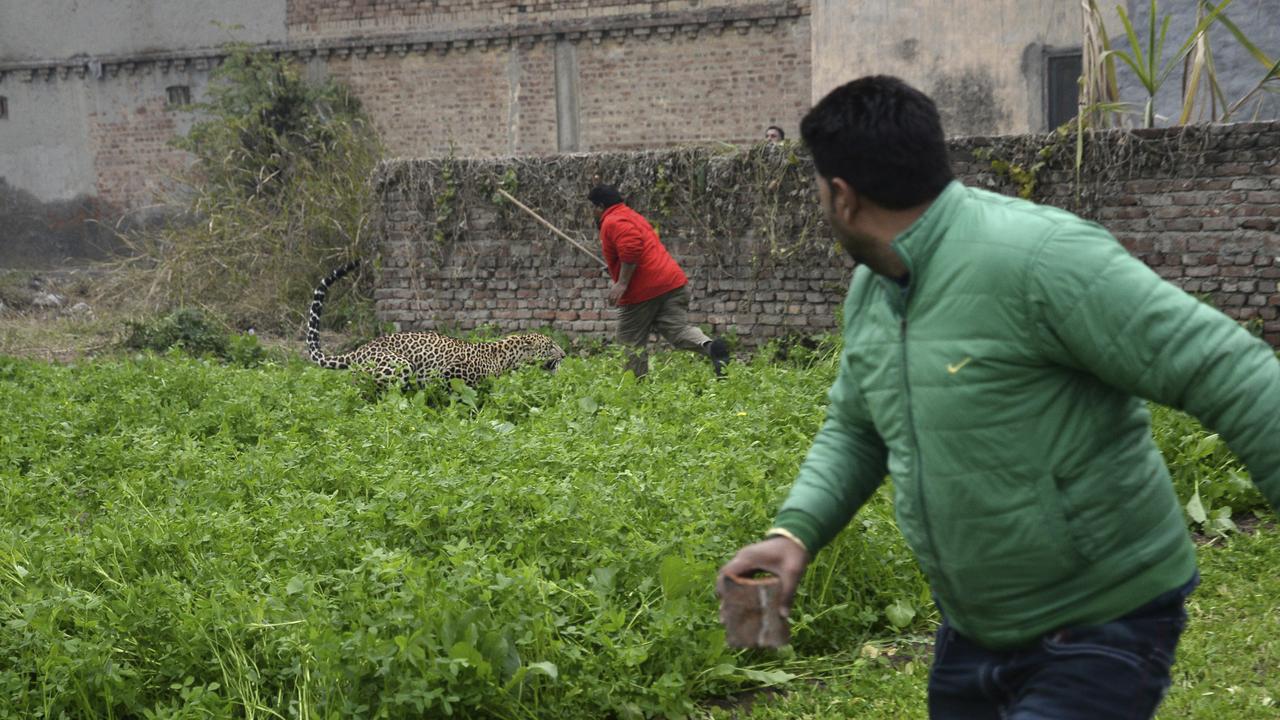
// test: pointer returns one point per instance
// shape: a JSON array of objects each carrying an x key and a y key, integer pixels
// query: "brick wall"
[
  {"x": 100, "y": 132},
  {"x": 481, "y": 78},
  {"x": 1201, "y": 206},
  {"x": 495, "y": 101},
  {"x": 132, "y": 160},
  {"x": 674, "y": 87},
  {"x": 637, "y": 87},
  {"x": 759, "y": 263}
]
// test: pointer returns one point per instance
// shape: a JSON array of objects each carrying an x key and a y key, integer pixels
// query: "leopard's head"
[{"x": 538, "y": 348}]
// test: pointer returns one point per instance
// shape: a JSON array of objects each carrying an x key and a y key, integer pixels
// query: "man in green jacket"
[{"x": 997, "y": 358}]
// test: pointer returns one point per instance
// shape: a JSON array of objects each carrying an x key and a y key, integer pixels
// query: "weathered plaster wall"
[
  {"x": 36, "y": 234},
  {"x": 982, "y": 62},
  {"x": 79, "y": 153},
  {"x": 48, "y": 29},
  {"x": 44, "y": 143},
  {"x": 70, "y": 134},
  {"x": 87, "y": 128}
]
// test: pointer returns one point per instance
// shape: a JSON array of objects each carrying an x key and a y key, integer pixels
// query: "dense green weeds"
[{"x": 180, "y": 538}]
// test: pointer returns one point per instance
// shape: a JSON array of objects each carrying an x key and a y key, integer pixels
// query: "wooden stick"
[{"x": 553, "y": 228}]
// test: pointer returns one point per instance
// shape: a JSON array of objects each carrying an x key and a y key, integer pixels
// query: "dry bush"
[{"x": 278, "y": 193}]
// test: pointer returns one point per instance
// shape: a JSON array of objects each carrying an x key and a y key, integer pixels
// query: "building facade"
[{"x": 91, "y": 93}]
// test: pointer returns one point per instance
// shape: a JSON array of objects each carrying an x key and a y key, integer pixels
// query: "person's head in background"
[
  {"x": 773, "y": 134},
  {"x": 602, "y": 197}
]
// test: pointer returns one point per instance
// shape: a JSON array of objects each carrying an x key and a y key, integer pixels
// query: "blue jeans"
[{"x": 1115, "y": 670}]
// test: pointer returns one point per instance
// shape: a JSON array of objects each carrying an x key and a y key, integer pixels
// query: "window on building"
[
  {"x": 1062, "y": 86},
  {"x": 178, "y": 95},
  {"x": 4, "y": 108}
]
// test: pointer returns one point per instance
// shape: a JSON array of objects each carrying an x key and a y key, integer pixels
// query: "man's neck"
[
  {"x": 884, "y": 261},
  {"x": 884, "y": 226}
]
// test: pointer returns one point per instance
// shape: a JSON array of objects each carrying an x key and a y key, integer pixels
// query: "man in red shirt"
[{"x": 649, "y": 288}]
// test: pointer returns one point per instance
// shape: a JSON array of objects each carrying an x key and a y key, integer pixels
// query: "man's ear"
[{"x": 844, "y": 200}]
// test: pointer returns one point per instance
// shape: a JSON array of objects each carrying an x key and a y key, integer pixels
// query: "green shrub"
[
  {"x": 191, "y": 331},
  {"x": 245, "y": 350},
  {"x": 15, "y": 290},
  {"x": 185, "y": 329}
]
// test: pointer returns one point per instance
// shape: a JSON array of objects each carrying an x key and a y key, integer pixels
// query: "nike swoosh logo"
[{"x": 953, "y": 369}]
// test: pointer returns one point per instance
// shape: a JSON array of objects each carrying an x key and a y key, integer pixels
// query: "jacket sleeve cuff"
[{"x": 799, "y": 526}]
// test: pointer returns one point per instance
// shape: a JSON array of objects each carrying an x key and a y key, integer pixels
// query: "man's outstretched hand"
[{"x": 778, "y": 556}]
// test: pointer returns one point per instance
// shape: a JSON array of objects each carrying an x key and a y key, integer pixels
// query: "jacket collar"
[{"x": 917, "y": 243}]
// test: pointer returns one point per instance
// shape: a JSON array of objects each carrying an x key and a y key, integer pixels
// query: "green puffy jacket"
[{"x": 1001, "y": 389}]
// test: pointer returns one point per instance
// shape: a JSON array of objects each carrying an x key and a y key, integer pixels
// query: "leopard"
[{"x": 413, "y": 359}]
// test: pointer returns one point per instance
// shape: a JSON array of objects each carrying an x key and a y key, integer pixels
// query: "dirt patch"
[
  {"x": 49, "y": 315},
  {"x": 60, "y": 315}
]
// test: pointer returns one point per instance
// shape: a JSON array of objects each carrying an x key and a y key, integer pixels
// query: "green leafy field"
[{"x": 182, "y": 538}]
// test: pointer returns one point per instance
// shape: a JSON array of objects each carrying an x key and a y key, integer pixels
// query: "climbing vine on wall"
[
  {"x": 758, "y": 199},
  {"x": 1048, "y": 168},
  {"x": 726, "y": 204}
]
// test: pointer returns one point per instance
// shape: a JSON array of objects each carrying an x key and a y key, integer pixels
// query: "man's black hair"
[
  {"x": 604, "y": 196},
  {"x": 782, "y": 135},
  {"x": 883, "y": 137}
]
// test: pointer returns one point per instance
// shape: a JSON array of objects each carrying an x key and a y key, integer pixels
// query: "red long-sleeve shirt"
[{"x": 626, "y": 237}]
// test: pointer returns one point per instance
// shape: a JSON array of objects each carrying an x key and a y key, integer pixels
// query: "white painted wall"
[{"x": 983, "y": 60}]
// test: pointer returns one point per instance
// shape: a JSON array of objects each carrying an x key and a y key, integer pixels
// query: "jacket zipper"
[{"x": 918, "y": 470}]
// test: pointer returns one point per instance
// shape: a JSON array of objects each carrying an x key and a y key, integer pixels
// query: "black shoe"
[{"x": 719, "y": 352}]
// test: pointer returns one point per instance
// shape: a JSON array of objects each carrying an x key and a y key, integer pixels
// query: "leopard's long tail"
[{"x": 313, "y": 321}]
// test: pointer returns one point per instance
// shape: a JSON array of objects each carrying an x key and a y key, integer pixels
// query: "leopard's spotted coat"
[{"x": 415, "y": 357}]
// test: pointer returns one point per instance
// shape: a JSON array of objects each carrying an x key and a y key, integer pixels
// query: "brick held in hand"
[{"x": 751, "y": 613}]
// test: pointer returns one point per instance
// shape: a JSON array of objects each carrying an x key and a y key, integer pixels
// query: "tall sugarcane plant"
[
  {"x": 1151, "y": 68},
  {"x": 1269, "y": 82}
]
